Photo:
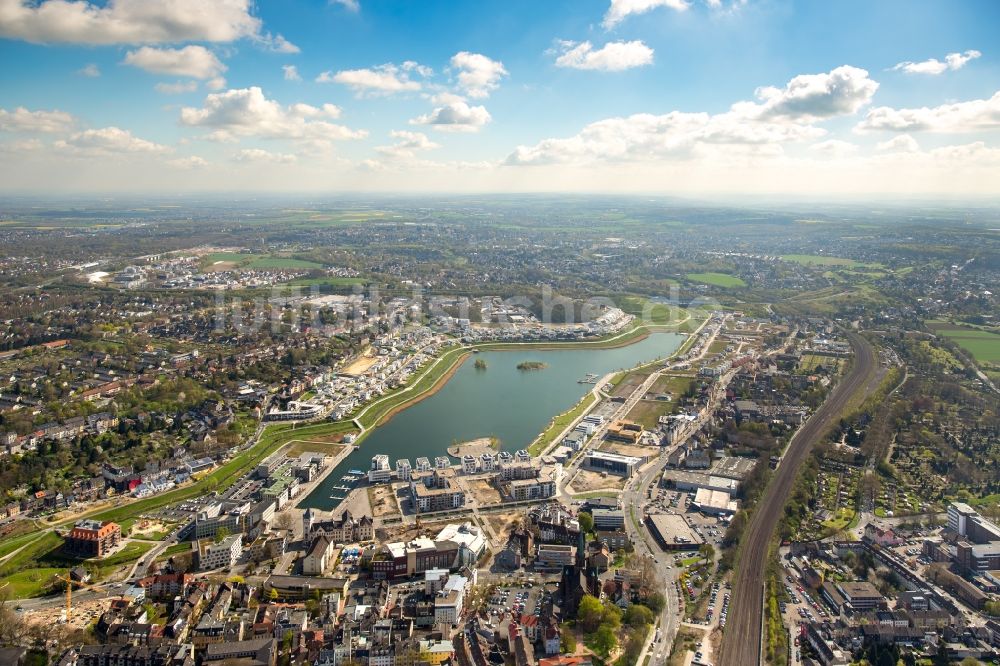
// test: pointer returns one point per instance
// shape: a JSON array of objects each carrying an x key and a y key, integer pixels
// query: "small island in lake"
[
  {"x": 532, "y": 365},
  {"x": 480, "y": 364}
]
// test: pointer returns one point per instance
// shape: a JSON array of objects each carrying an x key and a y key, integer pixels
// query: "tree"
[
  {"x": 589, "y": 613},
  {"x": 637, "y": 615},
  {"x": 604, "y": 640},
  {"x": 707, "y": 552},
  {"x": 221, "y": 534},
  {"x": 612, "y": 616},
  {"x": 586, "y": 521},
  {"x": 283, "y": 521},
  {"x": 273, "y": 594},
  {"x": 567, "y": 640},
  {"x": 656, "y": 602}
]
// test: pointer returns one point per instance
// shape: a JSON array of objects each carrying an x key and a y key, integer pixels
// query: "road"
[
  {"x": 741, "y": 642},
  {"x": 634, "y": 498}
]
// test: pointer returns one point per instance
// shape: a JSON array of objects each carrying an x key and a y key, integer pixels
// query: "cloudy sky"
[{"x": 659, "y": 96}]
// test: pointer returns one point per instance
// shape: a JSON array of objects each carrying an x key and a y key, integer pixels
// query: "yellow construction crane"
[{"x": 69, "y": 591}]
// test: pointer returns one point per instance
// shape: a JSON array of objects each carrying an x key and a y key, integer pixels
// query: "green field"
[
  {"x": 269, "y": 262},
  {"x": 716, "y": 279},
  {"x": 235, "y": 257},
  {"x": 260, "y": 261},
  {"x": 31, "y": 582},
  {"x": 983, "y": 345},
  {"x": 659, "y": 314},
  {"x": 9, "y": 544},
  {"x": 818, "y": 260},
  {"x": 328, "y": 281}
]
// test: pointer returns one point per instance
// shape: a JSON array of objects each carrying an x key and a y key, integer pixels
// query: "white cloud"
[
  {"x": 192, "y": 162},
  {"x": 194, "y": 61},
  {"x": 246, "y": 112},
  {"x": 349, "y": 5},
  {"x": 91, "y": 71},
  {"x": 971, "y": 116},
  {"x": 263, "y": 156},
  {"x": 674, "y": 136},
  {"x": 612, "y": 57},
  {"x": 176, "y": 88},
  {"x": 456, "y": 116},
  {"x": 291, "y": 73},
  {"x": 835, "y": 148},
  {"x": 933, "y": 66},
  {"x": 810, "y": 97},
  {"x": 23, "y": 120},
  {"x": 620, "y": 9},
  {"x": 108, "y": 141},
  {"x": 969, "y": 155},
  {"x": 276, "y": 43},
  {"x": 127, "y": 21},
  {"x": 748, "y": 129},
  {"x": 904, "y": 143},
  {"x": 413, "y": 66},
  {"x": 382, "y": 80},
  {"x": 22, "y": 146},
  {"x": 218, "y": 83},
  {"x": 442, "y": 98},
  {"x": 408, "y": 145},
  {"x": 477, "y": 74}
]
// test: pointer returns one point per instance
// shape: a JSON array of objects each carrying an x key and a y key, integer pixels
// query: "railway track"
[{"x": 741, "y": 640}]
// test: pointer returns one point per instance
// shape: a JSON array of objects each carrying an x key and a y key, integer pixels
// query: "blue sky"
[{"x": 667, "y": 96}]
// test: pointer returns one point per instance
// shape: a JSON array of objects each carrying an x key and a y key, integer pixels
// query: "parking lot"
[
  {"x": 710, "y": 529},
  {"x": 516, "y": 601},
  {"x": 803, "y": 605}
]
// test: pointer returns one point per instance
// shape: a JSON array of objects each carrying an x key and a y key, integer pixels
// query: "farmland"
[{"x": 984, "y": 346}]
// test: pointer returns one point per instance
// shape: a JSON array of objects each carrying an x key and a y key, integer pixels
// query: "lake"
[{"x": 500, "y": 401}]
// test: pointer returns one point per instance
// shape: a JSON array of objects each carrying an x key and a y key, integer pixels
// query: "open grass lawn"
[
  {"x": 299, "y": 446},
  {"x": 44, "y": 548},
  {"x": 718, "y": 346},
  {"x": 9, "y": 544},
  {"x": 31, "y": 582},
  {"x": 659, "y": 314},
  {"x": 675, "y": 385},
  {"x": 716, "y": 279},
  {"x": 984, "y": 346},
  {"x": 176, "y": 549},
  {"x": 647, "y": 413},
  {"x": 130, "y": 553}
]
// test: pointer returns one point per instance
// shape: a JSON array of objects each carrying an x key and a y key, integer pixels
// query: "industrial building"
[
  {"x": 715, "y": 502},
  {"x": 604, "y": 461},
  {"x": 672, "y": 532},
  {"x": 688, "y": 481}
]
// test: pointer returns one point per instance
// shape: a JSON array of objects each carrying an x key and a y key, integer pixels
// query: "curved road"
[{"x": 741, "y": 641}]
